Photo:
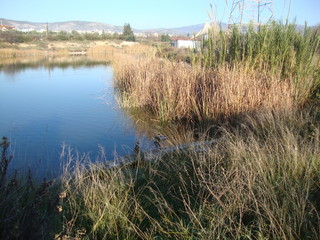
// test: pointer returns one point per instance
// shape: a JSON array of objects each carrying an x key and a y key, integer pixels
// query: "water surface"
[{"x": 47, "y": 104}]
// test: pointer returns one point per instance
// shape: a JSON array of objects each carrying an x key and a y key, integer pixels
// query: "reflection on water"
[
  {"x": 45, "y": 103},
  {"x": 178, "y": 132},
  {"x": 12, "y": 66}
]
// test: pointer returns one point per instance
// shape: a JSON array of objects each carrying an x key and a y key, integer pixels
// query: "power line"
[{"x": 254, "y": 11}]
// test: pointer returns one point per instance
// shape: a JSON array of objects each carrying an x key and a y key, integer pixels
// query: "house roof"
[{"x": 6, "y": 26}]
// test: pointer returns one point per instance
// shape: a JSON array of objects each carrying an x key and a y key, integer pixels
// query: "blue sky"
[{"x": 143, "y": 14}]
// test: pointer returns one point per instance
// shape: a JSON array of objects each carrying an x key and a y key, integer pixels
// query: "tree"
[
  {"x": 128, "y": 33},
  {"x": 165, "y": 38}
]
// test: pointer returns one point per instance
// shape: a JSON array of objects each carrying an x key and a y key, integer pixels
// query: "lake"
[{"x": 50, "y": 103}]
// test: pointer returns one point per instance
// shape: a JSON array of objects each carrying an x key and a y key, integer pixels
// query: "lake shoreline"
[
  {"x": 57, "y": 48},
  {"x": 258, "y": 91}
]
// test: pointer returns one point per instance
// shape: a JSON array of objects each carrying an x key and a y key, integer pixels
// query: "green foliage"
[
  {"x": 127, "y": 33},
  {"x": 13, "y": 36},
  {"x": 21, "y": 37},
  {"x": 165, "y": 38},
  {"x": 5, "y": 160},
  {"x": 276, "y": 48}
]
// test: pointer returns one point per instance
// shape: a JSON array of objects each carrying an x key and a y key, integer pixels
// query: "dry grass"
[
  {"x": 260, "y": 181},
  {"x": 93, "y": 48},
  {"x": 176, "y": 90},
  {"x": 100, "y": 203},
  {"x": 112, "y": 52},
  {"x": 273, "y": 67},
  {"x": 11, "y": 52}
]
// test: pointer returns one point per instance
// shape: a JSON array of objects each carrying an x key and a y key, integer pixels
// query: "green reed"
[{"x": 276, "y": 48}]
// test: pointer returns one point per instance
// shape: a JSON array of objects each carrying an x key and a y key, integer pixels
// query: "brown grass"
[
  {"x": 260, "y": 181},
  {"x": 178, "y": 90},
  {"x": 11, "y": 52}
]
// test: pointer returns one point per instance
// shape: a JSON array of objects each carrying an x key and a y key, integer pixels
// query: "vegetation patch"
[{"x": 261, "y": 180}]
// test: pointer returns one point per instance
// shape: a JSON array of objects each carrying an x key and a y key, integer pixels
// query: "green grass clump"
[{"x": 27, "y": 207}]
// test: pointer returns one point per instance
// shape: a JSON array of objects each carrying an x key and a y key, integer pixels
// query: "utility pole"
[{"x": 254, "y": 11}]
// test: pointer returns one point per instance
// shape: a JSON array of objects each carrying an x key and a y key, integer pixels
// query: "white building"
[{"x": 185, "y": 43}]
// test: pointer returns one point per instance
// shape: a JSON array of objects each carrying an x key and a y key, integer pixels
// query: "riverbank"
[
  {"x": 260, "y": 181},
  {"x": 55, "y": 48}
]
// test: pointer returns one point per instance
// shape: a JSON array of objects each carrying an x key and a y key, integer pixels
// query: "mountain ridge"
[{"x": 87, "y": 26}]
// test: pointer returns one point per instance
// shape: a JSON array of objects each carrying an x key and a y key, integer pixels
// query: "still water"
[{"x": 45, "y": 105}]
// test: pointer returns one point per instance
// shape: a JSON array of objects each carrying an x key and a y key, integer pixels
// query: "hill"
[{"x": 85, "y": 26}]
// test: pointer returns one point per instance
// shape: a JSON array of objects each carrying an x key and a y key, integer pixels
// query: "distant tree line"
[{"x": 13, "y": 36}]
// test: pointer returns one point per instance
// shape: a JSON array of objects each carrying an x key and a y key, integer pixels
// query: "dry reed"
[
  {"x": 11, "y": 52},
  {"x": 176, "y": 90},
  {"x": 260, "y": 181}
]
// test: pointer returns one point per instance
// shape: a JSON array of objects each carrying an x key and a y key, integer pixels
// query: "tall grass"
[
  {"x": 110, "y": 50},
  {"x": 275, "y": 47},
  {"x": 260, "y": 181},
  {"x": 180, "y": 91},
  {"x": 27, "y": 207},
  {"x": 101, "y": 203},
  {"x": 237, "y": 71}
]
